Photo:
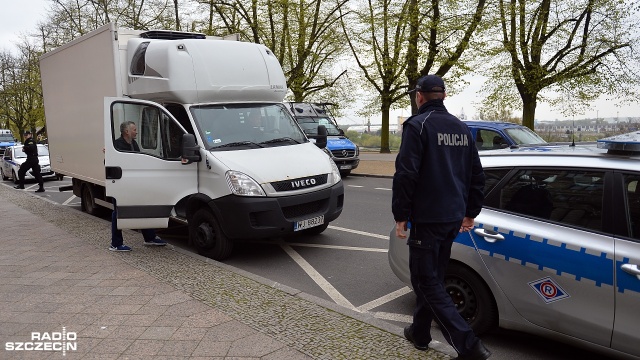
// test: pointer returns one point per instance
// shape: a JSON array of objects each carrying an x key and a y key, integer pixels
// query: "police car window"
[
  {"x": 633, "y": 204},
  {"x": 570, "y": 197},
  {"x": 492, "y": 178},
  {"x": 484, "y": 139}
]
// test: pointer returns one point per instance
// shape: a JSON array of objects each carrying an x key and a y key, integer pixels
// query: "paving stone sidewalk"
[{"x": 159, "y": 302}]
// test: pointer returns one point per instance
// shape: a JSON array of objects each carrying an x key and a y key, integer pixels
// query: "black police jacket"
[
  {"x": 30, "y": 148},
  {"x": 439, "y": 177}
]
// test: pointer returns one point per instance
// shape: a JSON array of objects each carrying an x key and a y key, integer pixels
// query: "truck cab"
[
  {"x": 344, "y": 153},
  {"x": 6, "y": 140}
]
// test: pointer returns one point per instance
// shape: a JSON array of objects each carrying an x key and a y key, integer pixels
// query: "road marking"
[
  {"x": 382, "y": 189},
  {"x": 356, "y": 186},
  {"x": 393, "y": 317},
  {"x": 384, "y": 237},
  {"x": 339, "y": 247},
  {"x": 69, "y": 200},
  {"x": 318, "y": 279},
  {"x": 384, "y": 299}
]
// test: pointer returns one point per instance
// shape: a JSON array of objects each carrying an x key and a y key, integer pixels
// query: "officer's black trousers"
[
  {"x": 429, "y": 252},
  {"x": 34, "y": 165}
]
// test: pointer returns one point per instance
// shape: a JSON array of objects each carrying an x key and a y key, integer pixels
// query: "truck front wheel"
[{"x": 207, "y": 236}]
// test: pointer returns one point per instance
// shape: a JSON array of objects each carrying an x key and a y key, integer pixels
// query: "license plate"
[
  {"x": 345, "y": 167},
  {"x": 308, "y": 223}
]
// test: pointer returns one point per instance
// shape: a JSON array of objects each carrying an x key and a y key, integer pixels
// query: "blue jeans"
[
  {"x": 429, "y": 252},
  {"x": 116, "y": 234}
]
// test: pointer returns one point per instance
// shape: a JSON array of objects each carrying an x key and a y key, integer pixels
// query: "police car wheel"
[
  {"x": 345, "y": 173},
  {"x": 4, "y": 177},
  {"x": 207, "y": 236},
  {"x": 14, "y": 176},
  {"x": 472, "y": 298}
]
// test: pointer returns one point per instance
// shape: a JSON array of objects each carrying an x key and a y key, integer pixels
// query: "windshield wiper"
[
  {"x": 237, "y": 143},
  {"x": 282, "y": 139}
]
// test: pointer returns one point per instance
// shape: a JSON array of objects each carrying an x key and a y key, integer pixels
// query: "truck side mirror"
[
  {"x": 341, "y": 132},
  {"x": 321, "y": 139},
  {"x": 190, "y": 150}
]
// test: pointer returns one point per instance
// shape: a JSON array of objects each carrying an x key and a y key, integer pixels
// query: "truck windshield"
[
  {"x": 524, "y": 136},
  {"x": 231, "y": 126},
  {"x": 6, "y": 138},
  {"x": 310, "y": 125}
]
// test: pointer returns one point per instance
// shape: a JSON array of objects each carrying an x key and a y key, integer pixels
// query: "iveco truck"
[{"x": 201, "y": 161}]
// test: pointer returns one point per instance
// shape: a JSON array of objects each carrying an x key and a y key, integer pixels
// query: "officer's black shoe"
[
  {"x": 478, "y": 352},
  {"x": 40, "y": 190},
  {"x": 408, "y": 334},
  {"x": 18, "y": 187}
]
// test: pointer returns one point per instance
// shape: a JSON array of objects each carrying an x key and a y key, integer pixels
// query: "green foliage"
[{"x": 373, "y": 141}]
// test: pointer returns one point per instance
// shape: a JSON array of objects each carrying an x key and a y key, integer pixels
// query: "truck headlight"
[
  {"x": 335, "y": 173},
  {"x": 357, "y": 150},
  {"x": 242, "y": 184}
]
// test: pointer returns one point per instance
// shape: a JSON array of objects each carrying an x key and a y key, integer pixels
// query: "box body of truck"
[{"x": 201, "y": 162}]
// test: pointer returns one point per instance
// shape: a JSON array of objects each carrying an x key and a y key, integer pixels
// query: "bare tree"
[{"x": 581, "y": 49}]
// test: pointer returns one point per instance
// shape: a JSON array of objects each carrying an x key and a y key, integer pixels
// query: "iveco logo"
[
  {"x": 303, "y": 183},
  {"x": 344, "y": 153}
]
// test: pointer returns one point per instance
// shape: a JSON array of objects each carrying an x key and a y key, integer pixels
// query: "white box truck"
[{"x": 218, "y": 149}]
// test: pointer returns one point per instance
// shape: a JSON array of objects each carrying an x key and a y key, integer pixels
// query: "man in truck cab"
[{"x": 127, "y": 142}]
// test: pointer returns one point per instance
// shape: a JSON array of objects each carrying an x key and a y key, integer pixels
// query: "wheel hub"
[{"x": 205, "y": 236}]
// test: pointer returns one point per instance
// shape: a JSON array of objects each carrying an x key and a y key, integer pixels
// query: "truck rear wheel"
[
  {"x": 88, "y": 203},
  {"x": 207, "y": 236}
]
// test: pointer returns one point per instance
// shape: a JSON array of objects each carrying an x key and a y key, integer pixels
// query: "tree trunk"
[
  {"x": 529, "y": 103},
  {"x": 384, "y": 131}
]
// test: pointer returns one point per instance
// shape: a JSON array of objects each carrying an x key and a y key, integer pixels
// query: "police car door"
[
  {"x": 627, "y": 266},
  {"x": 145, "y": 184},
  {"x": 536, "y": 238}
]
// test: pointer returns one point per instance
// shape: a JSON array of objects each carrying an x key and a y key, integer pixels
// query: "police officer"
[
  {"x": 31, "y": 149},
  {"x": 437, "y": 193}
]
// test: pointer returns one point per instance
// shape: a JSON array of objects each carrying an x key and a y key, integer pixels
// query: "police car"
[
  {"x": 13, "y": 157},
  {"x": 556, "y": 249}
]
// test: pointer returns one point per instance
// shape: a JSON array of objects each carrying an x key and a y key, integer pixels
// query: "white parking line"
[
  {"x": 69, "y": 200},
  {"x": 384, "y": 237},
  {"x": 318, "y": 279},
  {"x": 356, "y": 186},
  {"x": 382, "y": 189},
  {"x": 339, "y": 247},
  {"x": 385, "y": 299}
]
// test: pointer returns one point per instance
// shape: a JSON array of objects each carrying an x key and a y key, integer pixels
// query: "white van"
[{"x": 218, "y": 149}]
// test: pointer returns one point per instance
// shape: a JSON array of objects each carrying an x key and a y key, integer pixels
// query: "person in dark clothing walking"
[
  {"x": 127, "y": 142},
  {"x": 31, "y": 149},
  {"x": 437, "y": 192}
]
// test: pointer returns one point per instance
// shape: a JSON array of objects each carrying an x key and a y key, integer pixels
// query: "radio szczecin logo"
[{"x": 46, "y": 341}]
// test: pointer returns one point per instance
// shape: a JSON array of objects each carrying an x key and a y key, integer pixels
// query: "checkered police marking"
[{"x": 548, "y": 290}]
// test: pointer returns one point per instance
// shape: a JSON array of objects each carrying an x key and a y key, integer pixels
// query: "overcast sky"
[{"x": 21, "y": 16}]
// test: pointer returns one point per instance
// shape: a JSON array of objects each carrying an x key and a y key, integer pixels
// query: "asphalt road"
[{"x": 347, "y": 264}]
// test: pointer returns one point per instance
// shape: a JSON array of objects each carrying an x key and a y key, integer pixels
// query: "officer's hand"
[
  {"x": 401, "y": 227},
  {"x": 467, "y": 224}
]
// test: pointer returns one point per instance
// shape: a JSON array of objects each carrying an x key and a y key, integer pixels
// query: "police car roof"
[{"x": 608, "y": 153}]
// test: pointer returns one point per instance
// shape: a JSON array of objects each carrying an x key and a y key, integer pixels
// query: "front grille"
[
  {"x": 300, "y": 183},
  {"x": 297, "y": 211},
  {"x": 343, "y": 153}
]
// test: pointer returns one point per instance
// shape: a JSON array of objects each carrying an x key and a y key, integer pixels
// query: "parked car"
[
  {"x": 344, "y": 153},
  {"x": 556, "y": 249},
  {"x": 6, "y": 139},
  {"x": 491, "y": 135},
  {"x": 14, "y": 157}
]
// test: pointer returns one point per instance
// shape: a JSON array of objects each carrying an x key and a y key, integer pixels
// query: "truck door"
[{"x": 146, "y": 180}]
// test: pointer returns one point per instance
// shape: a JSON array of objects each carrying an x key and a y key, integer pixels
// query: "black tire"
[
  {"x": 316, "y": 230},
  {"x": 60, "y": 177},
  {"x": 87, "y": 201},
  {"x": 5, "y": 178},
  {"x": 207, "y": 236},
  {"x": 472, "y": 298},
  {"x": 345, "y": 173},
  {"x": 15, "y": 177}
]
